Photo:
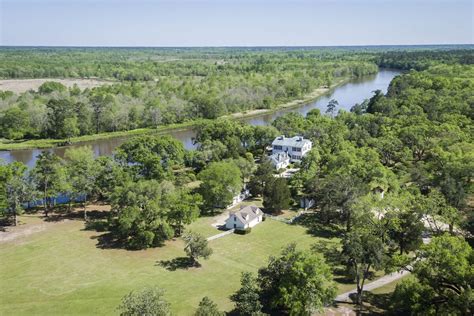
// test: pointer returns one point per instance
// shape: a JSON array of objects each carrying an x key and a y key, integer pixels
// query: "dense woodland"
[
  {"x": 414, "y": 144},
  {"x": 154, "y": 88}
]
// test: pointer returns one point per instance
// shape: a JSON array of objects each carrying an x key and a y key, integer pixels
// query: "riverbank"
[{"x": 50, "y": 143}]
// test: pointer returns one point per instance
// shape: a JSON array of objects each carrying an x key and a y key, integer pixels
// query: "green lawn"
[{"x": 61, "y": 271}]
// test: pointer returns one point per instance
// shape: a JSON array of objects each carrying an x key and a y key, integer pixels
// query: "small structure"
[
  {"x": 244, "y": 194},
  {"x": 280, "y": 160},
  {"x": 246, "y": 217},
  {"x": 295, "y": 147}
]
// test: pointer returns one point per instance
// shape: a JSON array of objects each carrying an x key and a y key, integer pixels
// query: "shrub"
[{"x": 243, "y": 231}]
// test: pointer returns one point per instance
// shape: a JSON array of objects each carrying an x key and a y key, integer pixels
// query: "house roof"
[
  {"x": 250, "y": 210},
  {"x": 297, "y": 141},
  {"x": 279, "y": 157}
]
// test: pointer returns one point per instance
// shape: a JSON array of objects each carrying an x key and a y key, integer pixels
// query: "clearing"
[
  {"x": 63, "y": 269},
  {"x": 23, "y": 85}
]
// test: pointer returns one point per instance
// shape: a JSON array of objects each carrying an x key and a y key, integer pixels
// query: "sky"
[{"x": 235, "y": 22}]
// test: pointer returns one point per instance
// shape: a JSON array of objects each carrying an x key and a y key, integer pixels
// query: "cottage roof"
[
  {"x": 279, "y": 157},
  {"x": 297, "y": 141},
  {"x": 247, "y": 214}
]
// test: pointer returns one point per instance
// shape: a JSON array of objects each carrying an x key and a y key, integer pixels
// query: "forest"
[
  {"x": 394, "y": 169},
  {"x": 158, "y": 87}
]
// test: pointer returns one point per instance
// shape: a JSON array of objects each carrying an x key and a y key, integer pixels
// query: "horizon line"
[{"x": 235, "y": 46}]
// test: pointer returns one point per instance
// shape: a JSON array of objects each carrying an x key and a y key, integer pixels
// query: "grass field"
[{"x": 61, "y": 271}]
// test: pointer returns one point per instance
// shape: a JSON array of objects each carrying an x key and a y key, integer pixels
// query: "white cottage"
[
  {"x": 295, "y": 147},
  {"x": 280, "y": 160},
  {"x": 246, "y": 217}
]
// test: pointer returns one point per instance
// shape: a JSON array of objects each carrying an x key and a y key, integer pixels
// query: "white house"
[
  {"x": 246, "y": 217},
  {"x": 296, "y": 147},
  {"x": 280, "y": 160}
]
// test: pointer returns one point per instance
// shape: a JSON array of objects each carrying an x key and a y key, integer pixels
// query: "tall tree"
[
  {"x": 82, "y": 172},
  {"x": 196, "y": 246},
  {"x": 262, "y": 176},
  {"x": 247, "y": 298},
  {"x": 183, "y": 209},
  {"x": 362, "y": 251},
  {"x": 49, "y": 178},
  {"x": 151, "y": 156},
  {"x": 145, "y": 302},
  {"x": 221, "y": 181},
  {"x": 331, "y": 107},
  {"x": 297, "y": 282},
  {"x": 276, "y": 196},
  {"x": 17, "y": 188},
  {"x": 139, "y": 215},
  {"x": 443, "y": 280}
]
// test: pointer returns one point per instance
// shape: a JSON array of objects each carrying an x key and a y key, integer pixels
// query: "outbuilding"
[{"x": 246, "y": 217}]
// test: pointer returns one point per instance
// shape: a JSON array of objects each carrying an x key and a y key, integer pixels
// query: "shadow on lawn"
[
  {"x": 316, "y": 226},
  {"x": 373, "y": 304},
  {"x": 63, "y": 213},
  {"x": 108, "y": 241},
  {"x": 183, "y": 263}
]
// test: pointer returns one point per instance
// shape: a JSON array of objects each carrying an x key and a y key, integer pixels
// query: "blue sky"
[{"x": 235, "y": 22}]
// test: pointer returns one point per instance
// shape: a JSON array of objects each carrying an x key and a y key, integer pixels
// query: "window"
[
  {"x": 235, "y": 226},
  {"x": 277, "y": 147},
  {"x": 235, "y": 218},
  {"x": 296, "y": 149}
]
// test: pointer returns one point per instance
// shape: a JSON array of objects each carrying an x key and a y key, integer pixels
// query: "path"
[
  {"x": 389, "y": 278},
  {"x": 344, "y": 297},
  {"x": 227, "y": 232}
]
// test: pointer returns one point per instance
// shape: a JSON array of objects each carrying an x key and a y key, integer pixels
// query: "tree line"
[{"x": 181, "y": 88}]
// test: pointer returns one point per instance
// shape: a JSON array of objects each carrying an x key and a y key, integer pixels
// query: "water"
[{"x": 356, "y": 91}]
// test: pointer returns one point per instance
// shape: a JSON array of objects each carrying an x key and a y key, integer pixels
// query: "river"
[{"x": 355, "y": 91}]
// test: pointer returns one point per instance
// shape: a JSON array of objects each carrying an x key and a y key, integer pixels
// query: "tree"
[
  {"x": 247, "y": 298},
  {"x": 71, "y": 128},
  {"x": 290, "y": 124},
  {"x": 196, "y": 246},
  {"x": 331, "y": 108},
  {"x": 207, "y": 308},
  {"x": 82, "y": 172},
  {"x": 438, "y": 211},
  {"x": 298, "y": 282},
  {"x": 61, "y": 119},
  {"x": 362, "y": 251},
  {"x": 151, "y": 156},
  {"x": 443, "y": 281},
  {"x": 100, "y": 102},
  {"x": 262, "y": 176},
  {"x": 49, "y": 178},
  {"x": 335, "y": 195},
  {"x": 17, "y": 189},
  {"x": 221, "y": 181},
  {"x": 403, "y": 221},
  {"x": 145, "y": 302},
  {"x": 14, "y": 124},
  {"x": 246, "y": 166},
  {"x": 276, "y": 196},
  {"x": 373, "y": 102},
  {"x": 139, "y": 213},
  {"x": 183, "y": 209},
  {"x": 51, "y": 86}
]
